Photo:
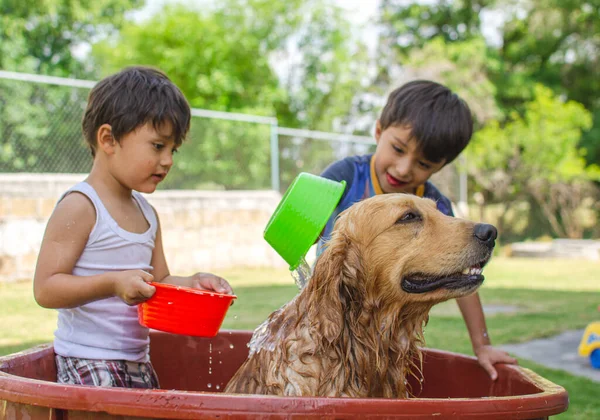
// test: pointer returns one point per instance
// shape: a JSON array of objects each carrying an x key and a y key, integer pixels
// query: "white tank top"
[{"x": 107, "y": 329}]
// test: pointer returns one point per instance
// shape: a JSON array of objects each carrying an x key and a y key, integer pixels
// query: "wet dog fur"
[{"x": 355, "y": 330}]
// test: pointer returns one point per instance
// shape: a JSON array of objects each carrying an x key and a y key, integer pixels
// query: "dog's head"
[
  {"x": 406, "y": 250},
  {"x": 389, "y": 260}
]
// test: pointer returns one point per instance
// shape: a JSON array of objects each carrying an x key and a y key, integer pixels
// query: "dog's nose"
[{"x": 486, "y": 234}]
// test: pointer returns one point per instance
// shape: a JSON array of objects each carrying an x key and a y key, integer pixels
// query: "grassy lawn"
[{"x": 552, "y": 296}]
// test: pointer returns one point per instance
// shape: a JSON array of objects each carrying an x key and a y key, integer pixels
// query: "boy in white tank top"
[{"x": 103, "y": 244}]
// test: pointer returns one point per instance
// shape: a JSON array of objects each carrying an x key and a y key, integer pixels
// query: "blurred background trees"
[{"x": 528, "y": 69}]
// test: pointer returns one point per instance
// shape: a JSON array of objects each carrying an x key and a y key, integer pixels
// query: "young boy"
[
  {"x": 102, "y": 246},
  {"x": 423, "y": 127}
]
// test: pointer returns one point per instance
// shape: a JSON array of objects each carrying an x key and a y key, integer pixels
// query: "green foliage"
[
  {"x": 40, "y": 36},
  {"x": 36, "y": 121},
  {"x": 300, "y": 62},
  {"x": 417, "y": 23},
  {"x": 221, "y": 58},
  {"x": 223, "y": 154},
  {"x": 550, "y": 42},
  {"x": 462, "y": 66},
  {"x": 216, "y": 64},
  {"x": 554, "y": 43},
  {"x": 543, "y": 144},
  {"x": 532, "y": 155}
]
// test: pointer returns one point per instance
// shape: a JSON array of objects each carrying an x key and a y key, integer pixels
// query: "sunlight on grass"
[
  {"x": 257, "y": 276},
  {"x": 24, "y": 323},
  {"x": 543, "y": 274}
]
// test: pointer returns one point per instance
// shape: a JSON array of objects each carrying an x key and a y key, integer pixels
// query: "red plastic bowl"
[{"x": 183, "y": 310}]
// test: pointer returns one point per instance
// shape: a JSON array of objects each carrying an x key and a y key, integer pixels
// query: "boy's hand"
[
  {"x": 207, "y": 281},
  {"x": 132, "y": 286},
  {"x": 488, "y": 356}
]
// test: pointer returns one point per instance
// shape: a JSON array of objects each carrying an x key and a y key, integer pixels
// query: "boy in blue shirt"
[{"x": 423, "y": 127}]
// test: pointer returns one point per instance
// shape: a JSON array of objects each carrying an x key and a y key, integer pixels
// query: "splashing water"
[
  {"x": 259, "y": 337},
  {"x": 265, "y": 336},
  {"x": 302, "y": 274}
]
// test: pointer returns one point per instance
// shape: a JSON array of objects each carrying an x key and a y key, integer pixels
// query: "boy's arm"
[
  {"x": 161, "y": 272},
  {"x": 65, "y": 238},
  {"x": 472, "y": 312}
]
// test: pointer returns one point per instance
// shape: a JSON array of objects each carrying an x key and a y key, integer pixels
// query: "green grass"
[{"x": 551, "y": 296}]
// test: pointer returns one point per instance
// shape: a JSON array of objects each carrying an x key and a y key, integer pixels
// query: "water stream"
[
  {"x": 302, "y": 274},
  {"x": 264, "y": 338}
]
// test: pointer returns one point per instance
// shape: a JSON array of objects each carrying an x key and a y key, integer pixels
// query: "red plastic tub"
[
  {"x": 193, "y": 372},
  {"x": 183, "y": 310}
]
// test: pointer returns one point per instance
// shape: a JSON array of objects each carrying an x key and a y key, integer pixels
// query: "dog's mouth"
[{"x": 470, "y": 277}]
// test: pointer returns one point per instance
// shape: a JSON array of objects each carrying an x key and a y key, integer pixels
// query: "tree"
[
  {"x": 223, "y": 59},
  {"x": 555, "y": 43},
  {"x": 462, "y": 66},
  {"x": 407, "y": 26},
  {"x": 552, "y": 42},
  {"x": 533, "y": 154},
  {"x": 42, "y": 37}
]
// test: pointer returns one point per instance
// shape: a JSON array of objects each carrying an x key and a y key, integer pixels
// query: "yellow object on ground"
[{"x": 590, "y": 340}]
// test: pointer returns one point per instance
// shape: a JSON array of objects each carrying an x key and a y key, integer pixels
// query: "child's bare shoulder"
[{"x": 74, "y": 210}]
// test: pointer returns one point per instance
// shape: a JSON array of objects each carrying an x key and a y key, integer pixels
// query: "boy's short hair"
[
  {"x": 131, "y": 98},
  {"x": 440, "y": 120}
]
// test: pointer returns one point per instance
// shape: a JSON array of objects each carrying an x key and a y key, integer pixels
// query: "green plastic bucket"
[{"x": 301, "y": 215}]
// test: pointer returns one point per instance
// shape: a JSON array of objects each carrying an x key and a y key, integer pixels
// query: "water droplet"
[
  {"x": 218, "y": 387},
  {"x": 169, "y": 303},
  {"x": 231, "y": 346},
  {"x": 209, "y": 385}
]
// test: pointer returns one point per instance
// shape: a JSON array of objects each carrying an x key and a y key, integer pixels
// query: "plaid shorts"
[{"x": 114, "y": 373}]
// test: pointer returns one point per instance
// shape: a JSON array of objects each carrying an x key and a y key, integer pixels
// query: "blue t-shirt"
[{"x": 361, "y": 183}]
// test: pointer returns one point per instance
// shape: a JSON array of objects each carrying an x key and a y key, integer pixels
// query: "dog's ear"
[{"x": 335, "y": 287}]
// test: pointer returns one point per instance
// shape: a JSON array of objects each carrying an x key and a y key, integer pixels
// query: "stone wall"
[{"x": 202, "y": 230}]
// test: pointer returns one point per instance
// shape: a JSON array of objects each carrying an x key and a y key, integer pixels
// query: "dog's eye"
[{"x": 409, "y": 216}]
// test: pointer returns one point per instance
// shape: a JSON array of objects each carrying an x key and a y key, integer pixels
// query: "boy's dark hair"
[
  {"x": 131, "y": 98},
  {"x": 440, "y": 120}
]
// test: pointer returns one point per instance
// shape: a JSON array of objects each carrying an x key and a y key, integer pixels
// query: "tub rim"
[{"x": 552, "y": 399}]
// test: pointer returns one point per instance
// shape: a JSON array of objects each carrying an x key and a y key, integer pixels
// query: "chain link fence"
[
  {"x": 40, "y": 132},
  {"x": 40, "y": 128}
]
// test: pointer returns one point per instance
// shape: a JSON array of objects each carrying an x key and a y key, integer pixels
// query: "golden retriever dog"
[{"x": 356, "y": 328}]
